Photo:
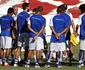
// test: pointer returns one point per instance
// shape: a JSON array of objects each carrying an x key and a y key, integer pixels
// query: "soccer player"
[
  {"x": 6, "y": 34},
  {"x": 37, "y": 23},
  {"x": 68, "y": 34},
  {"x": 23, "y": 38},
  {"x": 15, "y": 31},
  {"x": 59, "y": 25},
  {"x": 81, "y": 25},
  {"x": 23, "y": 30}
]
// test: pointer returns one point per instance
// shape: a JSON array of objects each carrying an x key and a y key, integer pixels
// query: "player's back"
[
  {"x": 22, "y": 20},
  {"x": 6, "y": 24}
]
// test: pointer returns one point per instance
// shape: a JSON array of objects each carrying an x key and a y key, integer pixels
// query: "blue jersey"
[
  {"x": 6, "y": 25},
  {"x": 22, "y": 20},
  {"x": 60, "y": 22},
  {"x": 82, "y": 27},
  {"x": 0, "y": 26},
  {"x": 37, "y": 22}
]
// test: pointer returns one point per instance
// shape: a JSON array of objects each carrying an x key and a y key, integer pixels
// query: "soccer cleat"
[
  {"x": 15, "y": 64},
  {"x": 48, "y": 66},
  {"x": 80, "y": 65},
  {"x": 37, "y": 66},
  {"x": 6, "y": 64},
  {"x": 0, "y": 63},
  {"x": 59, "y": 66},
  {"x": 27, "y": 65}
]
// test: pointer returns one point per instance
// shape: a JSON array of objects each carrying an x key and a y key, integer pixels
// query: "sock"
[
  {"x": 81, "y": 56},
  {"x": 49, "y": 57},
  {"x": 19, "y": 58},
  {"x": 60, "y": 57},
  {"x": 6, "y": 59},
  {"x": 28, "y": 61},
  {"x": 12, "y": 58},
  {"x": 37, "y": 61},
  {"x": 16, "y": 61},
  {"x": 35, "y": 58}
]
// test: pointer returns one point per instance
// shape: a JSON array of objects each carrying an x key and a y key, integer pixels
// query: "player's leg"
[
  {"x": 81, "y": 53},
  {"x": 30, "y": 52},
  {"x": 7, "y": 48}
]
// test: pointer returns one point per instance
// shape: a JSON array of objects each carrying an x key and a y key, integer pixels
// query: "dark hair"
[
  {"x": 25, "y": 5},
  {"x": 40, "y": 8},
  {"x": 10, "y": 10},
  {"x": 59, "y": 9},
  {"x": 35, "y": 10},
  {"x": 82, "y": 8},
  {"x": 65, "y": 6}
]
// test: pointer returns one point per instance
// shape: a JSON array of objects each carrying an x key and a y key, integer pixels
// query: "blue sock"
[
  {"x": 12, "y": 59},
  {"x": 81, "y": 56},
  {"x": 37, "y": 61},
  {"x": 6, "y": 59}
]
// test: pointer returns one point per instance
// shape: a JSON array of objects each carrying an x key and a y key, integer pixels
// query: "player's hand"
[
  {"x": 57, "y": 36},
  {"x": 32, "y": 40},
  {"x": 75, "y": 33}
]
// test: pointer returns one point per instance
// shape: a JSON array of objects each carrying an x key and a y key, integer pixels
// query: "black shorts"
[
  {"x": 14, "y": 41},
  {"x": 68, "y": 35}
]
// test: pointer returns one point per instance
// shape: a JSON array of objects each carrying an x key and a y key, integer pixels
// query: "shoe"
[
  {"x": 27, "y": 65},
  {"x": 80, "y": 65},
  {"x": 15, "y": 64},
  {"x": 48, "y": 66},
  {"x": 59, "y": 66},
  {"x": 37, "y": 66},
  {"x": 6, "y": 64},
  {"x": 0, "y": 63}
]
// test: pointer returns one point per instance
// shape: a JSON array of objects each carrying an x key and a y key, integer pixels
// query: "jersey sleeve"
[
  {"x": 27, "y": 19},
  {"x": 15, "y": 18},
  {"x": 68, "y": 22},
  {"x": 0, "y": 26},
  {"x": 51, "y": 22},
  {"x": 79, "y": 20},
  {"x": 44, "y": 21}
]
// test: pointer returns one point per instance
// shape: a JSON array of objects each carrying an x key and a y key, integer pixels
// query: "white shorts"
[
  {"x": 57, "y": 47},
  {"x": 6, "y": 42},
  {"x": 82, "y": 44},
  {"x": 23, "y": 40},
  {"x": 37, "y": 44}
]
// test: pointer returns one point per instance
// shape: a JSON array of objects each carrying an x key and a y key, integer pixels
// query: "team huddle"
[{"x": 28, "y": 30}]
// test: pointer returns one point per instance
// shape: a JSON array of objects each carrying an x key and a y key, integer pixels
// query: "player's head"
[
  {"x": 40, "y": 8},
  {"x": 10, "y": 11},
  {"x": 59, "y": 10},
  {"x": 64, "y": 7},
  {"x": 35, "y": 11},
  {"x": 25, "y": 6},
  {"x": 82, "y": 8},
  {"x": 15, "y": 9}
]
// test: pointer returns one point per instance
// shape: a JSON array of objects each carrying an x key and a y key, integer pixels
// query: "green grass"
[
  {"x": 64, "y": 67},
  {"x": 42, "y": 68}
]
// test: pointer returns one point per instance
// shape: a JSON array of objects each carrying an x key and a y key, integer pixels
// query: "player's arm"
[
  {"x": 52, "y": 29},
  {"x": 41, "y": 31},
  {"x": 29, "y": 28},
  {"x": 77, "y": 27},
  {"x": 79, "y": 23},
  {"x": 64, "y": 31},
  {"x": 73, "y": 26},
  {"x": 12, "y": 29},
  {"x": 38, "y": 34}
]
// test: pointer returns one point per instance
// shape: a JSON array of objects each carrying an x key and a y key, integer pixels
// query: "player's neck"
[{"x": 9, "y": 14}]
